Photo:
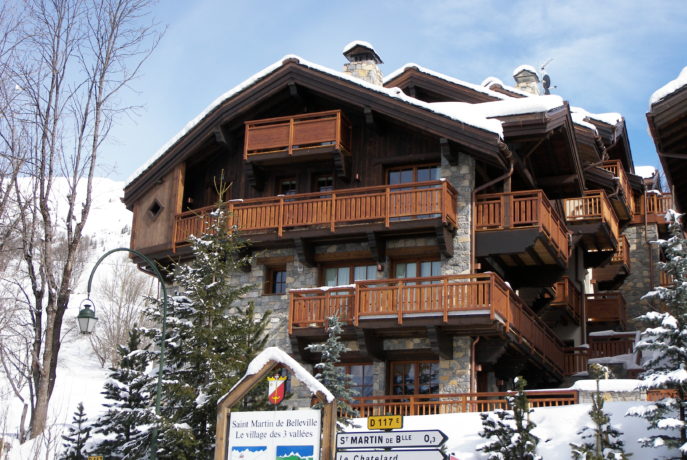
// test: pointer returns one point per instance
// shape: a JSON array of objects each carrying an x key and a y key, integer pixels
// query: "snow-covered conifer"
[
  {"x": 601, "y": 439},
  {"x": 122, "y": 432},
  {"x": 509, "y": 432},
  {"x": 332, "y": 376},
  {"x": 664, "y": 341},
  {"x": 210, "y": 339},
  {"x": 77, "y": 436}
]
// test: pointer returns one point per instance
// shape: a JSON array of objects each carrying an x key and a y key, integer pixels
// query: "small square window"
[
  {"x": 155, "y": 209},
  {"x": 275, "y": 280}
]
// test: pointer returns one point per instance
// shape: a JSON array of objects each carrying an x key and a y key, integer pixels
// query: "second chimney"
[{"x": 363, "y": 62}]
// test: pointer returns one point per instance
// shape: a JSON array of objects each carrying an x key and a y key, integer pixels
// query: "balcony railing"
[
  {"x": 568, "y": 297},
  {"x": 622, "y": 255},
  {"x": 606, "y": 307},
  {"x": 592, "y": 207},
  {"x": 517, "y": 210},
  {"x": 576, "y": 359},
  {"x": 665, "y": 279},
  {"x": 297, "y": 133},
  {"x": 448, "y": 403},
  {"x": 615, "y": 167},
  {"x": 443, "y": 296},
  {"x": 386, "y": 204}
]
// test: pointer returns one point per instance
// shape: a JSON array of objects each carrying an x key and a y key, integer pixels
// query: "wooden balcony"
[
  {"x": 665, "y": 279},
  {"x": 450, "y": 403},
  {"x": 652, "y": 207},
  {"x": 611, "y": 275},
  {"x": 601, "y": 346},
  {"x": 607, "y": 308},
  {"x": 521, "y": 229},
  {"x": 461, "y": 304},
  {"x": 623, "y": 204},
  {"x": 332, "y": 212},
  {"x": 297, "y": 137},
  {"x": 576, "y": 360},
  {"x": 568, "y": 299},
  {"x": 592, "y": 217}
]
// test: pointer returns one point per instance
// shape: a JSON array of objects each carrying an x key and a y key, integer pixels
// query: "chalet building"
[{"x": 464, "y": 233}]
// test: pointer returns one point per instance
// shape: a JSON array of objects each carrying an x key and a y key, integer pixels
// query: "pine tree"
[
  {"x": 129, "y": 406},
  {"x": 77, "y": 436},
  {"x": 509, "y": 432},
  {"x": 332, "y": 376},
  {"x": 210, "y": 340},
  {"x": 664, "y": 341},
  {"x": 602, "y": 440}
]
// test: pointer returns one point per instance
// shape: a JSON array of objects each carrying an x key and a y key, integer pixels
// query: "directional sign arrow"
[
  {"x": 430, "y": 454},
  {"x": 390, "y": 439}
]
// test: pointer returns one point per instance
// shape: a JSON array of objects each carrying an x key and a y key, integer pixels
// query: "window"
[
  {"x": 408, "y": 174},
  {"x": 154, "y": 209},
  {"x": 324, "y": 183},
  {"x": 275, "y": 280},
  {"x": 361, "y": 378},
  {"x": 414, "y": 377},
  {"x": 417, "y": 269},
  {"x": 340, "y": 276},
  {"x": 287, "y": 186}
]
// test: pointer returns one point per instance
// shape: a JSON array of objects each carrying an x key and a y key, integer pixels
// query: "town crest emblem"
[{"x": 276, "y": 389}]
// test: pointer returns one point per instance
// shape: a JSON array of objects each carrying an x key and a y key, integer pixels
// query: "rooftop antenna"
[{"x": 546, "y": 80}]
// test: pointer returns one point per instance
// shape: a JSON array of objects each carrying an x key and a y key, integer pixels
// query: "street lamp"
[
  {"x": 86, "y": 317},
  {"x": 89, "y": 319}
]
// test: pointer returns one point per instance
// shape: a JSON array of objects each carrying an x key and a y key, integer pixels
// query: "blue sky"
[{"x": 608, "y": 55}]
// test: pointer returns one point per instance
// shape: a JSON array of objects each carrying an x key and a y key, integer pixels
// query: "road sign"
[
  {"x": 384, "y": 422},
  {"x": 429, "y": 454},
  {"x": 390, "y": 439}
]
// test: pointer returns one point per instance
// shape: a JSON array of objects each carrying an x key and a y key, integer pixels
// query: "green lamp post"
[{"x": 87, "y": 320}]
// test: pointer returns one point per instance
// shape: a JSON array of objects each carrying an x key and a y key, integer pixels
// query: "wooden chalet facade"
[{"x": 459, "y": 250}]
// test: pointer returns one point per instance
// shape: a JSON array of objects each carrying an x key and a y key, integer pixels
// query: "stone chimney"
[
  {"x": 526, "y": 79},
  {"x": 363, "y": 62}
]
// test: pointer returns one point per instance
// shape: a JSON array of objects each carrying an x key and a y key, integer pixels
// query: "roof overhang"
[
  {"x": 668, "y": 124},
  {"x": 475, "y": 141}
]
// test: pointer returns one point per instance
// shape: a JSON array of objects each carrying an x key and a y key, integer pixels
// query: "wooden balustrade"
[
  {"x": 593, "y": 206},
  {"x": 607, "y": 306},
  {"x": 665, "y": 279},
  {"x": 615, "y": 167},
  {"x": 430, "y": 404},
  {"x": 568, "y": 296},
  {"x": 525, "y": 209},
  {"x": 297, "y": 133},
  {"x": 441, "y": 296},
  {"x": 658, "y": 394},
  {"x": 659, "y": 203},
  {"x": 383, "y": 204},
  {"x": 576, "y": 360},
  {"x": 599, "y": 348},
  {"x": 622, "y": 255}
]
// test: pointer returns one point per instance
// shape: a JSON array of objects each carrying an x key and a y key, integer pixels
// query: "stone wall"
[
  {"x": 638, "y": 283},
  {"x": 462, "y": 177}
]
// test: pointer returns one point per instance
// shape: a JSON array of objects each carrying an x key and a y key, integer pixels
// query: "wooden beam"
[
  {"x": 377, "y": 246},
  {"x": 445, "y": 149},
  {"x": 370, "y": 343},
  {"x": 369, "y": 117},
  {"x": 441, "y": 343},
  {"x": 444, "y": 240},
  {"x": 305, "y": 251}
]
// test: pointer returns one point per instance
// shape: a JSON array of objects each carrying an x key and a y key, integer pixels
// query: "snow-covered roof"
[
  {"x": 502, "y": 108},
  {"x": 277, "y": 355},
  {"x": 610, "y": 118},
  {"x": 646, "y": 172},
  {"x": 526, "y": 67},
  {"x": 456, "y": 81},
  {"x": 491, "y": 81},
  {"x": 670, "y": 87},
  {"x": 608, "y": 385},
  {"x": 468, "y": 118},
  {"x": 355, "y": 43}
]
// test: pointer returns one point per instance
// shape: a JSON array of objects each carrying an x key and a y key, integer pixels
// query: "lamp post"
[{"x": 87, "y": 321}]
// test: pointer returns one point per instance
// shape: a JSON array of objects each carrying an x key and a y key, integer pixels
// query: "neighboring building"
[{"x": 466, "y": 234}]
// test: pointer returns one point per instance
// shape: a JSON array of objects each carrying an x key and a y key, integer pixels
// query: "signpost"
[
  {"x": 390, "y": 445},
  {"x": 390, "y": 439},
  {"x": 430, "y": 454},
  {"x": 385, "y": 422}
]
